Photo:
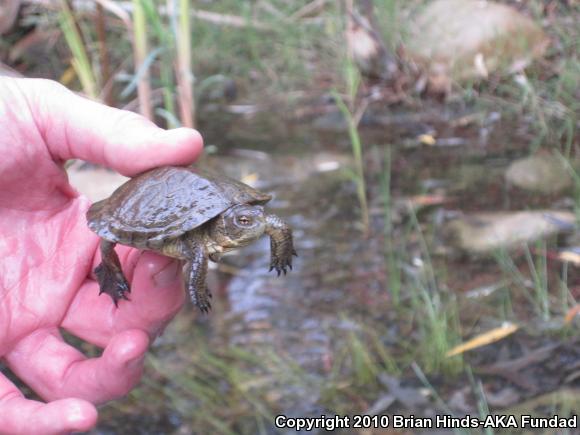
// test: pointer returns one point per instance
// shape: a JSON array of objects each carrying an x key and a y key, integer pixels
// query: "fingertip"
[
  {"x": 153, "y": 148},
  {"x": 157, "y": 147},
  {"x": 80, "y": 415},
  {"x": 70, "y": 415},
  {"x": 179, "y": 146},
  {"x": 187, "y": 138}
]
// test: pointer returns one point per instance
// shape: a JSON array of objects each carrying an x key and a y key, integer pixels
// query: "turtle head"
[{"x": 239, "y": 225}]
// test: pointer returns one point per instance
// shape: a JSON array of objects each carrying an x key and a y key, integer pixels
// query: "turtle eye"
[{"x": 244, "y": 220}]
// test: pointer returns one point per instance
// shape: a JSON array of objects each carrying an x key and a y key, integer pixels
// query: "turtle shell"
[{"x": 166, "y": 202}]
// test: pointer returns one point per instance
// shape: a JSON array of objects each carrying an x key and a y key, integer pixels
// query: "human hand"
[{"x": 47, "y": 256}]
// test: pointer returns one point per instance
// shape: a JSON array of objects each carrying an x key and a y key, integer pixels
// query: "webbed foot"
[
  {"x": 110, "y": 275},
  {"x": 281, "y": 244},
  {"x": 112, "y": 282}
]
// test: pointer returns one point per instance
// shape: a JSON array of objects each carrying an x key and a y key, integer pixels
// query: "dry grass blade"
[
  {"x": 484, "y": 339},
  {"x": 184, "y": 73}
]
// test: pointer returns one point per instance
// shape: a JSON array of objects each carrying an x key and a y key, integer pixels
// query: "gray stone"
[
  {"x": 461, "y": 40},
  {"x": 482, "y": 233},
  {"x": 544, "y": 173}
]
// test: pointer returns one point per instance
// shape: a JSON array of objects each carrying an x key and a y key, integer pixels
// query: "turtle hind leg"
[
  {"x": 195, "y": 272},
  {"x": 109, "y": 274}
]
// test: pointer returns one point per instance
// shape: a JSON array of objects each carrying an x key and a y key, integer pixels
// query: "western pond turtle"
[{"x": 186, "y": 213}]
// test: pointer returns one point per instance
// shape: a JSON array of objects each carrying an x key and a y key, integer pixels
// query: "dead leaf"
[
  {"x": 484, "y": 339},
  {"x": 427, "y": 139}
]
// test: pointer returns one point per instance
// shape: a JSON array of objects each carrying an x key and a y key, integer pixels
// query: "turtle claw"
[
  {"x": 203, "y": 306},
  {"x": 112, "y": 283},
  {"x": 202, "y": 300},
  {"x": 280, "y": 265}
]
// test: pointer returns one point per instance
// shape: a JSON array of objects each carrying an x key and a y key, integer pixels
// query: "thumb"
[{"x": 76, "y": 127}]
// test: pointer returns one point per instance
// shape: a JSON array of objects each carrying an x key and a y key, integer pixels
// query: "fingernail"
[{"x": 168, "y": 275}]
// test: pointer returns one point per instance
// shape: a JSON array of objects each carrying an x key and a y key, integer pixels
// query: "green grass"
[
  {"x": 218, "y": 385},
  {"x": 482, "y": 405},
  {"x": 534, "y": 284},
  {"x": 393, "y": 254},
  {"x": 358, "y": 175},
  {"x": 520, "y": 281},
  {"x": 80, "y": 58},
  {"x": 437, "y": 319}
]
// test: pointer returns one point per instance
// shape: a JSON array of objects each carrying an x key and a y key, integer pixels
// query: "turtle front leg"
[
  {"x": 281, "y": 244},
  {"x": 110, "y": 275},
  {"x": 195, "y": 273}
]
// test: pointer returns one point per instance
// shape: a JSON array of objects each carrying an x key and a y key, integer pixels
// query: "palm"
[{"x": 47, "y": 256}]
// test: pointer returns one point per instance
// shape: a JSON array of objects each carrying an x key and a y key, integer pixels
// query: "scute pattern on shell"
[{"x": 166, "y": 202}]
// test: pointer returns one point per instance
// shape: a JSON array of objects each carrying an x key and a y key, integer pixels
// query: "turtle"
[{"x": 187, "y": 213}]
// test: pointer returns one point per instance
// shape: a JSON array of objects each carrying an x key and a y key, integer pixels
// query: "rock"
[
  {"x": 462, "y": 40},
  {"x": 543, "y": 173},
  {"x": 482, "y": 233}
]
